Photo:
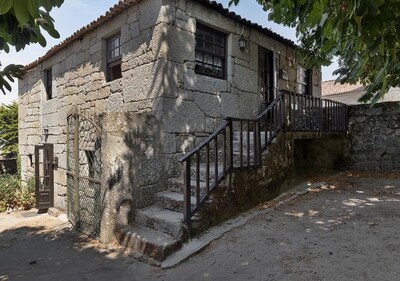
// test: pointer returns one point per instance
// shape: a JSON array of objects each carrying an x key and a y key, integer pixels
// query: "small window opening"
[
  {"x": 210, "y": 52},
  {"x": 114, "y": 58},
  {"x": 49, "y": 83},
  {"x": 303, "y": 81}
]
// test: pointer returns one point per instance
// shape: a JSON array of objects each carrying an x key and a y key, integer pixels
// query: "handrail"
[
  {"x": 214, "y": 158},
  {"x": 204, "y": 142},
  {"x": 269, "y": 107}
]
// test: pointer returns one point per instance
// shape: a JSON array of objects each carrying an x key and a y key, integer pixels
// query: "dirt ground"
[{"x": 348, "y": 230}]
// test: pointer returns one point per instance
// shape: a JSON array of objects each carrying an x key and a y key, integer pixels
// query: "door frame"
[
  {"x": 48, "y": 155},
  {"x": 267, "y": 69}
]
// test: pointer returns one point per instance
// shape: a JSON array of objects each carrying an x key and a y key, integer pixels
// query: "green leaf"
[
  {"x": 46, "y": 4},
  {"x": 5, "y": 6},
  {"x": 33, "y": 7},
  {"x": 21, "y": 11}
]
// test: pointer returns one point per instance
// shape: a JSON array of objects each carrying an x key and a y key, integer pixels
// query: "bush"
[{"x": 14, "y": 195}]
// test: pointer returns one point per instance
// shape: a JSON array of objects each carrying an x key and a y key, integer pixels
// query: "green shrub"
[{"x": 14, "y": 195}]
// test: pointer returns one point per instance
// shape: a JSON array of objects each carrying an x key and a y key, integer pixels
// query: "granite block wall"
[
  {"x": 170, "y": 107},
  {"x": 375, "y": 137}
]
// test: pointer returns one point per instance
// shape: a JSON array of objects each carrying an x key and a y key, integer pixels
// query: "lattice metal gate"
[{"x": 84, "y": 174}]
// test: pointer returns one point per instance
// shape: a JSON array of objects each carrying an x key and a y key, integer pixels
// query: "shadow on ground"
[
  {"x": 54, "y": 251},
  {"x": 345, "y": 230}
]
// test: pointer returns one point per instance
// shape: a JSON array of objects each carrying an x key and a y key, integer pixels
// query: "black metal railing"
[
  {"x": 239, "y": 143},
  {"x": 311, "y": 114}
]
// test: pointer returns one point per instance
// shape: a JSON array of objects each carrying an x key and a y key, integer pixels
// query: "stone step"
[
  {"x": 172, "y": 201},
  {"x": 203, "y": 170},
  {"x": 152, "y": 243},
  {"x": 163, "y": 220},
  {"x": 176, "y": 185}
]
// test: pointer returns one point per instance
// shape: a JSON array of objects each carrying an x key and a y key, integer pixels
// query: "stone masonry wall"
[
  {"x": 169, "y": 106},
  {"x": 375, "y": 137},
  {"x": 79, "y": 84},
  {"x": 194, "y": 105},
  {"x": 245, "y": 189}
]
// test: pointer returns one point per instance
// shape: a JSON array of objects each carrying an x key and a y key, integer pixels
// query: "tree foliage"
[
  {"x": 364, "y": 34},
  {"x": 22, "y": 22},
  {"x": 9, "y": 129}
]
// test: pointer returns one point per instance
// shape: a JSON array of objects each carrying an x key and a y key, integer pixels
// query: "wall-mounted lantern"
[
  {"x": 45, "y": 134},
  {"x": 242, "y": 43}
]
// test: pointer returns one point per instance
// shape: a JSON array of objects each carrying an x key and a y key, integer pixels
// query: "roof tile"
[
  {"x": 331, "y": 87},
  {"x": 124, "y": 4}
]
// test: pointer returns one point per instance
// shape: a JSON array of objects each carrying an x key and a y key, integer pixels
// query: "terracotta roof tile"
[
  {"x": 109, "y": 15},
  {"x": 226, "y": 12},
  {"x": 124, "y": 4},
  {"x": 330, "y": 88}
]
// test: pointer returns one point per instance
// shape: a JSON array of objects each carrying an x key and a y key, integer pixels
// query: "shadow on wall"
[
  {"x": 137, "y": 157},
  {"x": 322, "y": 154}
]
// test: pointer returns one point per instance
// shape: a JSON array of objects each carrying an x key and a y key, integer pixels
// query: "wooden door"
[
  {"x": 44, "y": 176},
  {"x": 266, "y": 76}
]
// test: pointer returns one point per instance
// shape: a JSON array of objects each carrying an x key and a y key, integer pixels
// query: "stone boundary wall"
[
  {"x": 375, "y": 137},
  {"x": 246, "y": 188}
]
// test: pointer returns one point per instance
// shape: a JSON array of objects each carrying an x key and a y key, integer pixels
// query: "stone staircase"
[{"x": 159, "y": 230}]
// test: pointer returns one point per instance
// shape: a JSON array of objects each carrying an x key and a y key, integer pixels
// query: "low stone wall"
[
  {"x": 375, "y": 137},
  {"x": 247, "y": 188}
]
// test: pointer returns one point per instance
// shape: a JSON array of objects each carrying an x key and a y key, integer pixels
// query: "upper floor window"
[
  {"x": 48, "y": 83},
  {"x": 303, "y": 80},
  {"x": 114, "y": 56},
  {"x": 210, "y": 52}
]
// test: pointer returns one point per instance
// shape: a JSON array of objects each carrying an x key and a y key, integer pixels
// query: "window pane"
[
  {"x": 199, "y": 56},
  {"x": 210, "y": 52},
  {"x": 208, "y": 59},
  {"x": 219, "y": 51},
  {"x": 114, "y": 48},
  {"x": 209, "y": 47},
  {"x": 199, "y": 43},
  {"x": 220, "y": 40},
  {"x": 209, "y": 37}
]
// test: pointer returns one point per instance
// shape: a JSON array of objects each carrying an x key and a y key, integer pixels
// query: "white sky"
[{"x": 74, "y": 14}]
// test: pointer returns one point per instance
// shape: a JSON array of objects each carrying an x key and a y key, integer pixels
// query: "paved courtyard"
[{"x": 348, "y": 229}]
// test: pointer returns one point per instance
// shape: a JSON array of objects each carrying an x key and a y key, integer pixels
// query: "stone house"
[
  {"x": 124, "y": 98},
  {"x": 351, "y": 93}
]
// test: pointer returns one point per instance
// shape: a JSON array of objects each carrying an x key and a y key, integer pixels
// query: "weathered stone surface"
[
  {"x": 210, "y": 105},
  {"x": 185, "y": 117},
  {"x": 115, "y": 103},
  {"x": 374, "y": 137},
  {"x": 178, "y": 107},
  {"x": 195, "y": 82},
  {"x": 151, "y": 82}
]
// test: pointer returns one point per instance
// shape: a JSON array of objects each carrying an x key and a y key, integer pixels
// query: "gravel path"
[{"x": 347, "y": 231}]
